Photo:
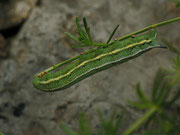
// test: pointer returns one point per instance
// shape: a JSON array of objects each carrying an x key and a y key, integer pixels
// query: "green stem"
[
  {"x": 93, "y": 44},
  {"x": 121, "y": 38},
  {"x": 62, "y": 63},
  {"x": 112, "y": 34},
  {"x": 149, "y": 27},
  {"x": 139, "y": 122}
]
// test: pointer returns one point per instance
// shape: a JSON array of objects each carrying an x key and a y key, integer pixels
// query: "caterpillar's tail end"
[{"x": 162, "y": 46}]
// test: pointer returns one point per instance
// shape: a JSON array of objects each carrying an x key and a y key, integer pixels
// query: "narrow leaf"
[
  {"x": 112, "y": 34},
  {"x": 67, "y": 130},
  {"x": 158, "y": 80},
  {"x": 101, "y": 118},
  {"x": 80, "y": 31},
  {"x": 118, "y": 122},
  {"x": 163, "y": 93},
  {"x": 87, "y": 29},
  {"x": 141, "y": 94},
  {"x": 72, "y": 37},
  {"x": 84, "y": 125}
]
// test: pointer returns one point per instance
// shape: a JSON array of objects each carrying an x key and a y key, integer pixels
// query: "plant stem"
[
  {"x": 121, "y": 38},
  {"x": 139, "y": 122},
  {"x": 62, "y": 63},
  {"x": 149, "y": 27}
]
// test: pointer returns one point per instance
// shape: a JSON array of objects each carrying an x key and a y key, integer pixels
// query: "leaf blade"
[{"x": 72, "y": 37}]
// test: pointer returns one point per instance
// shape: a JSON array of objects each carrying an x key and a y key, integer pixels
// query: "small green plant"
[
  {"x": 108, "y": 127},
  {"x": 157, "y": 105},
  {"x": 84, "y": 38},
  {"x": 84, "y": 126}
]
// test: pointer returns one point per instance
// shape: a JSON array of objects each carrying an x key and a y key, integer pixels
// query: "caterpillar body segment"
[{"x": 97, "y": 60}]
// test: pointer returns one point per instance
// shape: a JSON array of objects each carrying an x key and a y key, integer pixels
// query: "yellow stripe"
[{"x": 98, "y": 57}]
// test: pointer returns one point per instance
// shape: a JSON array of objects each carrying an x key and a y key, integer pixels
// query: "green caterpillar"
[{"x": 103, "y": 56}]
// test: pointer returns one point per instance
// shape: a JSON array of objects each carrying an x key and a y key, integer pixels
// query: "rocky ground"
[{"x": 32, "y": 39}]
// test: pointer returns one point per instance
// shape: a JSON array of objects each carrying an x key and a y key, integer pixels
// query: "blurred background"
[{"x": 32, "y": 39}]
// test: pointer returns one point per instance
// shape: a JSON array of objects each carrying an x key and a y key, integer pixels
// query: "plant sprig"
[
  {"x": 159, "y": 101},
  {"x": 109, "y": 126},
  {"x": 85, "y": 38}
]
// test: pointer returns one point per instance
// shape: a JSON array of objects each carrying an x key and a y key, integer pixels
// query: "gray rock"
[
  {"x": 14, "y": 12},
  {"x": 42, "y": 43}
]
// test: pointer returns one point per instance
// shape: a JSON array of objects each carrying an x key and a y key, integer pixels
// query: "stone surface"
[
  {"x": 41, "y": 42},
  {"x": 14, "y": 12},
  {"x": 3, "y": 47}
]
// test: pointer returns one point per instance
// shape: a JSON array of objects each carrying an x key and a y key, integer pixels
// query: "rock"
[
  {"x": 14, "y": 12},
  {"x": 41, "y": 43},
  {"x": 4, "y": 50}
]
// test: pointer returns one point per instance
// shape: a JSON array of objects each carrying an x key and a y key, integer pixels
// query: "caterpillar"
[{"x": 102, "y": 57}]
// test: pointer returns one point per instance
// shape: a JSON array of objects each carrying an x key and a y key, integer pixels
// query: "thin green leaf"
[
  {"x": 176, "y": 62},
  {"x": 80, "y": 31},
  {"x": 110, "y": 126},
  {"x": 163, "y": 93},
  {"x": 67, "y": 130},
  {"x": 87, "y": 29},
  {"x": 110, "y": 123},
  {"x": 118, "y": 122},
  {"x": 141, "y": 94},
  {"x": 113, "y": 116},
  {"x": 84, "y": 125},
  {"x": 158, "y": 80},
  {"x": 112, "y": 34},
  {"x": 72, "y": 37},
  {"x": 85, "y": 23},
  {"x": 175, "y": 73},
  {"x": 101, "y": 117},
  {"x": 85, "y": 42}
]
